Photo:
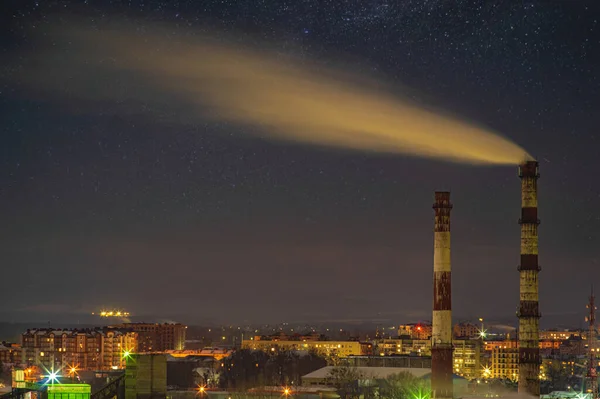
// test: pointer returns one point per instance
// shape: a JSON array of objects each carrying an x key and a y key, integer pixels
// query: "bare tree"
[
  {"x": 404, "y": 385},
  {"x": 346, "y": 380}
]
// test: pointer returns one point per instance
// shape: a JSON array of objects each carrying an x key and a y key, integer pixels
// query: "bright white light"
[{"x": 52, "y": 377}]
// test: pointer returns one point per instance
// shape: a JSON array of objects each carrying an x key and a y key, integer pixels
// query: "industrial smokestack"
[
  {"x": 441, "y": 354},
  {"x": 529, "y": 313}
]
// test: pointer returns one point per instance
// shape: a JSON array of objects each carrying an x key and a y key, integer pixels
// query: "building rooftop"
[{"x": 373, "y": 372}]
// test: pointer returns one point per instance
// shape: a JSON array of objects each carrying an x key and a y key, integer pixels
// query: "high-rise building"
[
  {"x": 505, "y": 363},
  {"x": 89, "y": 349},
  {"x": 10, "y": 353},
  {"x": 156, "y": 337},
  {"x": 466, "y": 358}
]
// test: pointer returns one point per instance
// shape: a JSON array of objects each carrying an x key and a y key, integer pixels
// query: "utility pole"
[{"x": 592, "y": 375}]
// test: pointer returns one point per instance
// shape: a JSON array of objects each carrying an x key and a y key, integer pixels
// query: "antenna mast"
[{"x": 592, "y": 374}]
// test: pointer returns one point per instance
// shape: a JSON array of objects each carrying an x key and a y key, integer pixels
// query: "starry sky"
[{"x": 201, "y": 222}]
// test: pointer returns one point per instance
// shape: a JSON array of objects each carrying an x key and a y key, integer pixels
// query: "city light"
[
  {"x": 487, "y": 372},
  {"x": 201, "y": 389},
  {"x": 420, "y": 393},
  {"x": 114, "y": 313},
  {"x": 287, "y": 391},
  {"x": 52, "y": 377}
]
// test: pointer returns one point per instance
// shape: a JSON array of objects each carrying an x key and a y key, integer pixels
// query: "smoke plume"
[{"x": 187, "y": 79}]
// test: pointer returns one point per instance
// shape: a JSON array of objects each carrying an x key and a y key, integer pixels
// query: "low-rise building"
[
  {"x": 414, "y": 347},
  {"x": 544, "y": 344},
  {"x": 574, "y": 346},
  {"x": 466, "y": 330},
  {"x": 326, "y": 348},
  {"x": 415, "y": 331},
  {"x": 387, "y": 361},
  {"x": 560, "y": 335}
]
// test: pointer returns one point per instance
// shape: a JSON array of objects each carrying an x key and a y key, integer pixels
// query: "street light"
[
  {"x": 482, "y": 332},
  {"x": 52, "y": 377}
]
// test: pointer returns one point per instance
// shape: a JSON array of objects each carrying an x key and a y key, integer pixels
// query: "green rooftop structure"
[{"x": 69, "y": 391}]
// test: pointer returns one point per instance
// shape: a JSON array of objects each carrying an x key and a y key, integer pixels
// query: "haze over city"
[{"x": 291, "y": 177}]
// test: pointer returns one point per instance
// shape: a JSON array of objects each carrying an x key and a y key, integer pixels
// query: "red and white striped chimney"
[
  {"x": 441, "y": 336},
  {"x": 529, "y": 313}
]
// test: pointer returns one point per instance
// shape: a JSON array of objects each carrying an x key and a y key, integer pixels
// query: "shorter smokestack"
[{"x": 441, "y": 356}]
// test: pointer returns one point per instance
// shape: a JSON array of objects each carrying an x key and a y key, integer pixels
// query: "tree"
[
  {"x": 246, "y": 369},
  {"x": 308, "y": 363},
  {"x": 243, "y": 369},
  {"x": 346, "y": 380},
  {"x": 404, "y": 385},
  {"x": 557, "y": 375}
]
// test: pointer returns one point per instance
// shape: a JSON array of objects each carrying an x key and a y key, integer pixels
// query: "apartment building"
[{"x": 89, "y": 349}]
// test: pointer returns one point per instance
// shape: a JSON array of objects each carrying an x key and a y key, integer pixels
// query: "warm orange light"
[{"x": 287, "y": 391}]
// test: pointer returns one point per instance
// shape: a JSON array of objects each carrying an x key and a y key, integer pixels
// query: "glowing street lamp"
[
  {"x": 287, "y": 392},
  {"x": 73, "y": 372},
  {"x": 482, "y": 332},
  {"x": 487, "y": 372},
  {"x": 52, "y": 377}
]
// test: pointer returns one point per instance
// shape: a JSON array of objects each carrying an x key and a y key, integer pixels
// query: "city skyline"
[{"x": 106, "y": 205}]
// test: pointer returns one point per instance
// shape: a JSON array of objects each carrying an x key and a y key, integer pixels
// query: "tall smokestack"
[
  {"x": 441, "y": 336},
  {"x": 529, "y": 313}
]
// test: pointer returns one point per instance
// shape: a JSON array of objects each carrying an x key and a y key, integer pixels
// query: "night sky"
[{"x": 201, "y": 222}]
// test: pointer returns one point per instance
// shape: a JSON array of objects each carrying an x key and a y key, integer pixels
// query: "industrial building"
[
  {"x": 146, "y": 377},
  {"x": 374, "y": 378}
]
